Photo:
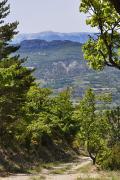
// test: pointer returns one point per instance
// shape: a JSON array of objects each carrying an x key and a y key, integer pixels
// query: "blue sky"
[{"x": 48, "y": 15}]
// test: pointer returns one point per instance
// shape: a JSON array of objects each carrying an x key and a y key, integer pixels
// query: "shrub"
[{"x": 112, "y": 161}]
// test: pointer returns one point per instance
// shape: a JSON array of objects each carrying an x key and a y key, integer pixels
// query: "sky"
[{"x": 48, "y": 15}]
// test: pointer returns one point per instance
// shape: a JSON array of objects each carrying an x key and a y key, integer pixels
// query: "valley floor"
[{"x": 79, "y": 169}]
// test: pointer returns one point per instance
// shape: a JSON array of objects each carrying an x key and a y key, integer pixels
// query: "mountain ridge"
[
  {"x": 36, "y": 44},
  {"x": 60, "y": 64},
  {"x": 81, "y": 37}
]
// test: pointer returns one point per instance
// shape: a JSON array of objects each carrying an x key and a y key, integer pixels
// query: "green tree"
[
  {"x": 15, "y": 80},
  {"x": 49, "y": 116},
  {"x": 100, "y": 51},
  {"x": 93, "y": 125},
  {"x": 64, "y": 111},
  {"x": 7, "y": 31},
  {"x": 114, "y": 121},
  {"x": 38, "y": 120},
  {"x": 109, "y": 159},
  {"x": 103, "y": 50}
]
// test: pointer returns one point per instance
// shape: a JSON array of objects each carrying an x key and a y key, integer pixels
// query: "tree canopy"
[
  {"x": 15, "y": 80},
  {"x": 103, "y": 49},
  {"x": 116, "y": 4}
]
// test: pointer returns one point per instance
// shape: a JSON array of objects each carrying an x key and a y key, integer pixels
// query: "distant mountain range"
[
  {"x": 40, "y": 45},
  {"x": 81, "y": 37},
  {"x": 60, "y": 64}
]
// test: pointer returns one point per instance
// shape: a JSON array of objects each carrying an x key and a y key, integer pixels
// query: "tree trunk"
[{"x": 93, "y": 158}]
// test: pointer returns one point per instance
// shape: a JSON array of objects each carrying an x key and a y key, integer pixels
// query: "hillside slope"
[{"x": 60, "y": 64}]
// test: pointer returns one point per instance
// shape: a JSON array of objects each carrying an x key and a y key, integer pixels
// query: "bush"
[{"x": 112, "y": 162}]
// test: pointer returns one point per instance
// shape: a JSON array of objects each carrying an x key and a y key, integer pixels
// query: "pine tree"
[
  {"x": 15, "y": 80},
  {"x": 7, "y": 31}
]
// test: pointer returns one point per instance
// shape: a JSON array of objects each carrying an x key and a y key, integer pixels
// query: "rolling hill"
[{"x": 60, "y": 64}]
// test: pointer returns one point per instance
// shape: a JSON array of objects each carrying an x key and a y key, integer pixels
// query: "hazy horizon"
[
  {"x": 40, "y": 16},
  {"x": 50, "y": 31}
]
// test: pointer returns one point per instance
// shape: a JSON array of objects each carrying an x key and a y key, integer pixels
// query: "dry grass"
[
  {"x": 89, "y": 172},
  {"x": 38, "y": 178},
  {"x": 86, "y": 169},
  {"x": 61, "y": 170}
]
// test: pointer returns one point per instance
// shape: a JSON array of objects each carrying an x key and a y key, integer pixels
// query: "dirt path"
[{"x": 64, "y": 171}]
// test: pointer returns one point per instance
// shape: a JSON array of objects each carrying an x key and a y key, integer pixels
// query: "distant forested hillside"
[{"x": 60, "y": 64}]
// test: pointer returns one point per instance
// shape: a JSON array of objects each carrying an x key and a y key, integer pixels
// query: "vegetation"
[
  {"x": 15, "y": 80},
  {"x": 100, "y": 52},
  {"x": 47, "y": 127},
  {"x": 104, "y": 49},
  {"x": 64, "y": 66},
  {"x": 116, "y": 4},
  {"x": 93, "y": 125}
]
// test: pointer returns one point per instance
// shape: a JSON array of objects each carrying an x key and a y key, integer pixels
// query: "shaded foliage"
[{"x": 104, "y": 49}]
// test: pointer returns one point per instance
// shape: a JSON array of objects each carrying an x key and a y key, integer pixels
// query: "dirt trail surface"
[{"x": 63, "y": 171}]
